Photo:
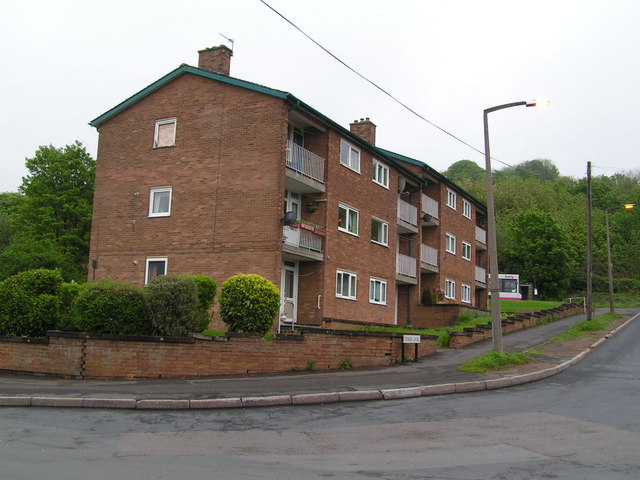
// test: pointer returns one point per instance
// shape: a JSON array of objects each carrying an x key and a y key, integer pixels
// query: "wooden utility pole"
[{"x": 589, "y": 247}]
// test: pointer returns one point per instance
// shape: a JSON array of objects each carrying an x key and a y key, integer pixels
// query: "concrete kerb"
[{"x": 304, "y": 399}]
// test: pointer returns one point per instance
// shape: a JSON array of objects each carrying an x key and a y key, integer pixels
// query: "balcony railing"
[
  {"x": 481, "y": 275},
  {"x": 302, "y": 161},
  {"x": 429, "y": 255},
  {"x": 406, "y": 265},
  {"x": 302, "y": 238},
  {"x": 481, "y": 235},
  {"x": 407, "y": 213},
  {"x": 429, "y": 206}
]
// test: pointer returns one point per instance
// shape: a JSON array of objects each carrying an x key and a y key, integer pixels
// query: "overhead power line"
[{"x": 345, "y": 64}]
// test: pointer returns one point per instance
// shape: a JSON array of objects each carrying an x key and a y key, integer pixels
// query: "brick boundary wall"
[
  {"x": 518, "y": 322},
  {"x": 80, "y": 355}
]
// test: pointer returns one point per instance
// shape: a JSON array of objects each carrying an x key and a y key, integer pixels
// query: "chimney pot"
[{"x": 365, "y": 129}]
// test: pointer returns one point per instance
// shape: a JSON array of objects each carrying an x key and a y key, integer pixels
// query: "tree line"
[{"x": 541, "y": 221}]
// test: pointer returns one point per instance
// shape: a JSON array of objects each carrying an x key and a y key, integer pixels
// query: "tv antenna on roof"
[{"x": 230, "y": 40}]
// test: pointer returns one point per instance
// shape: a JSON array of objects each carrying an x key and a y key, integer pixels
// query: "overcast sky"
[{"x": 65, "y": 62}]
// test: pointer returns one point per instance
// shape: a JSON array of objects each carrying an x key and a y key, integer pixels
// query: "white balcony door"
[
  {"x": 292, "y": 203},
  {"x": 289, "y": 291}
]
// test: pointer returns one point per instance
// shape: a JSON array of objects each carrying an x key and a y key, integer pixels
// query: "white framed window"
[
  {"x": 346, "y": 285},
  {"x": 465, "y": 293},
  {"x": 350, "y": 156},
  {"x": 165, "y": 133},
  {"x": 377, "y": 291},
  {"x": 466, "y": 251},
  {"x": 466, "y": 208},
  {"x": 155, "y": 267},
  {"x": 348, "y": 219},
  {"x": 450, "y": 243},
  {"x": 380, "y": 173},
  {"x": 452, "y": 199},
  {"x": 379, "y": 232},
  {"x": 160, "y": 202},
  {"x": 450, "y": 289}
]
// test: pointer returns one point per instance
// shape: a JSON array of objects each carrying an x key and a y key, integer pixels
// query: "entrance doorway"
[{"x": 289, "y": 292}]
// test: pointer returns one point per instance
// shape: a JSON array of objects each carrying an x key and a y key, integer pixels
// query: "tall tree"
[
  {"x": 540, "y": 252},
  {"x": 464, "y": 169},
  {"x": 56, "y": 209}
]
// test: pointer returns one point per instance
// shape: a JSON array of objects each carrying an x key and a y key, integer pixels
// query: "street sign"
[{"x": 411, "y": 339}]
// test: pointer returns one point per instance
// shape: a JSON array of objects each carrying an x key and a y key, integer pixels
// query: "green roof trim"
[
  {"x": 429, "y": 170},
  {"x": 172, "y": 76},
  {"x": 393, "y": 158}
]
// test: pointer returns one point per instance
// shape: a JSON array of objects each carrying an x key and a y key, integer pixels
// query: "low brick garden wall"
[
  {"x": 518, "y": 322},
  {"x": 79, "y": 355}
]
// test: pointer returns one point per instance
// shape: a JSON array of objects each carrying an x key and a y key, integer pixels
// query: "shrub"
[
  {"x": 249, "y": 303},
  {"x": 112, "y": 307},
  {"x": 207, "y": 289},
  {"x": 29, "y": 302},
  {"x": 68, "y": 292},
  {"x": 173, "y": 305}
]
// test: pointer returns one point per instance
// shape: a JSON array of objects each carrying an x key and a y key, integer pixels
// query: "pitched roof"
[
  {"x": 395, "y": 159},
  {"x": 183, "y": 69},
  {"x": 430, "y": 171}
]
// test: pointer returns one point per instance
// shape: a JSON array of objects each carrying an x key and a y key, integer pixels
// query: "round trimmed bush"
[
  {"x": 173, "y": 305},
  {"x": 112, "y": 307},
  {"x": 207, "y": 288},
  {"x": 29, "y": 302},
  {"x": 249, "y": 303}
]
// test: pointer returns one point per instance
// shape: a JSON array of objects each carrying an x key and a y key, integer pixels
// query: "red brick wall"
[
  {"x": 227, "y": 178},
  {"x": 108, "y": 358},
  {"x": 434, "y": 316},
  {"x": 59, "y": 356},
  {"x": 358, "y": 254}
]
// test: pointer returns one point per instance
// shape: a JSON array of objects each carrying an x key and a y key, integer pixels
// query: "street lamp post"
[
  {"x": 494, "y": 284},
  {"x": 627, "y": 206}
]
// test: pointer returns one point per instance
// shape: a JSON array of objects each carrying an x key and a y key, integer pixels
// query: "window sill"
[
  {"x": 348, "y": 232},
  {"x": 346, "y": 298},
  {"x": 385, "y": 245},
  {"x": 351, "y": 168}
]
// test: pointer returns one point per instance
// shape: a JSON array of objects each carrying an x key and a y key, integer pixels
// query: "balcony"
[
  {"x": 407, "y": 217},
  {"x": 428, "y": 259},
  {"x": 429, "y": 211},
  {"x": 302, "y": 244},
  {"x": 481, "y": 238},
  {"x": 305, "y": 170},
  {"x": 481, "y": 277},
  {"x": 406, "y": 269}
]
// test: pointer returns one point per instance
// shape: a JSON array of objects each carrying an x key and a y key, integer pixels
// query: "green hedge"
[
  {"x": 112, "y": 307},
  {"x": 29, "y": 302},
  {"x": 249, "y": 303},
  {"x": 68, "y": 293},
  {"x": 207, "y": 289},
  {"x": 173, "y": 305}
]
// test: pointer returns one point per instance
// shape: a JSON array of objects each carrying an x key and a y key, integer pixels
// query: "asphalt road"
[{"x": 581, "y": 424}]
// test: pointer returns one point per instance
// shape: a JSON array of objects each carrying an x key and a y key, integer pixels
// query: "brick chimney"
[
  {"x": 216, "y": 60},
  {"x": 365, "y": 129}
]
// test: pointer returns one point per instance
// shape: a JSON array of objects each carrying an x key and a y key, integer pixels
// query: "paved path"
[{"x": 432, "y": 375}]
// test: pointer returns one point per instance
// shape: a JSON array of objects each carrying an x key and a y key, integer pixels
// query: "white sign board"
[{"x": 411, "y": 339}]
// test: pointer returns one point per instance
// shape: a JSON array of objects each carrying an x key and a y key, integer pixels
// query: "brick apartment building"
[{"x": 203, "y": 173}]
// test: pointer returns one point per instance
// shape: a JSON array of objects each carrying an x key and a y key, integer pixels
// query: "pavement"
[{"x": 434, "y": 375}]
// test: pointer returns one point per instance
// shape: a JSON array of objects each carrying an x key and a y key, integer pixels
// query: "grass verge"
[
  {"x": 580, "y": 329},
  {"x": 512, "y": 306},
  {"x": 494, "y": 361}
]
